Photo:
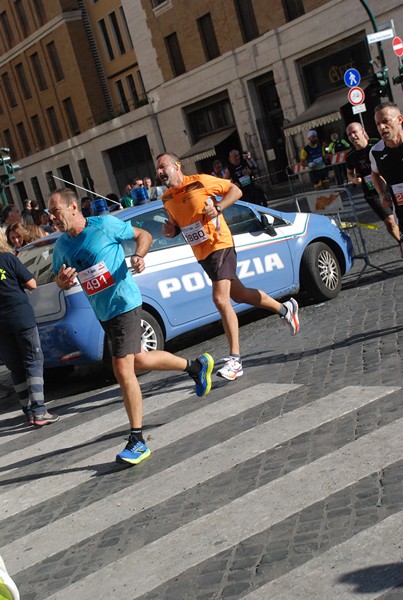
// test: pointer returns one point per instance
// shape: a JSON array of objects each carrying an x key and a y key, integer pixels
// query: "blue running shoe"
[
  {"x": 203, "y": 378},
  {"x": 134, "y": 452}
]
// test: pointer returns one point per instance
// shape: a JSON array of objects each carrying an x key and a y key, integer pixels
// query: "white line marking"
[
  {"x": 72, "y": 529},
  {"x": 373, "y": 551},
  {"x": 92, "y": 428},
  {"x": 151, "y": 566},
  {"x": 43, "y": 488}
]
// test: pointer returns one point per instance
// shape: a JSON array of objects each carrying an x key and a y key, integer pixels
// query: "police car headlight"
[{"x": 334, "y": 222}]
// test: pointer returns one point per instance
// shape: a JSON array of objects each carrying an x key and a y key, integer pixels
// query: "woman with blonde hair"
[
  {"x": 34, "y": 233},
  {"x": 17, "y": 236},
  {"x": 4, "y": 245}
]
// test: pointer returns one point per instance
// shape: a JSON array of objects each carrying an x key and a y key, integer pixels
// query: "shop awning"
[
  {"x": 325, "y": 109},
  {"x": 205, "y": 147}
]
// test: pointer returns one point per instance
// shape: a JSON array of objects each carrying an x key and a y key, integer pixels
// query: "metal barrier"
[
  {"x": 337, "y": 202},
  {"x": 298, "y": 176}
]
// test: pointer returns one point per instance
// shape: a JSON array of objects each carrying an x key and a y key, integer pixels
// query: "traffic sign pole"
[{"x": 379, "y": 45}]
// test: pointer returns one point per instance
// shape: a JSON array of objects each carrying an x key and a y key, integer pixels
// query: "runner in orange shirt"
[{"x": 190, "y": 202}]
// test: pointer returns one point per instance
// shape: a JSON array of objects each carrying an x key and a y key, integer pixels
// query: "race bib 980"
[{"x": 96, "y": 279}]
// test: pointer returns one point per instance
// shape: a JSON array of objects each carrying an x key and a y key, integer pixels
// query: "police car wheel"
[
  {"x": 320, "y": 272},
  {"x": 152, "y": 337}
]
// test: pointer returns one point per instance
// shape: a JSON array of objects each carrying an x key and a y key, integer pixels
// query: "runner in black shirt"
[
  {"x": 359, "y": 172},
  {"x": 242, "y": 173},
  {"x": 387, "y": 158}
]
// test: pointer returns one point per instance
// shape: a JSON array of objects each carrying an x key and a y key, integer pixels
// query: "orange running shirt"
[{"x": 185, "y": 206}]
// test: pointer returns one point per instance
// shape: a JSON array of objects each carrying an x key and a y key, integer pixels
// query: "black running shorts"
[
  {"x": 376, "y": 204},
  {"x": 124, "y": 333},
  {"x": 220, "y": 264}
]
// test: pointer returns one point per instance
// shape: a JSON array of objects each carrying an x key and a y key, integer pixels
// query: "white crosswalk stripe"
[
  {"x": 91, "y": 429},
  {"x": 42, "y": 489},
  {"x": 22, "y": 429},
  {"x": 202, "y": 538},
  {"x": 225, "y": 527},
  {"x": 339, "y": 564},
  {"x": 70, "y": 530}
]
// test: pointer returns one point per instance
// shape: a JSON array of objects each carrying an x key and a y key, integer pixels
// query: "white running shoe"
[
  {"x": 231, "y": 370},
  {"x": 8, "y": 589},
  {"x": 291, "y": 318}
]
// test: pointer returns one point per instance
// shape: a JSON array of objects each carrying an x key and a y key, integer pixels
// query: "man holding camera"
[
  {"x": 242, "y": 172},
  {"x": 314, "y": 157}
]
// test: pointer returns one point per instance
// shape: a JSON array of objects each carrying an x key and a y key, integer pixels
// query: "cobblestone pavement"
[{"x": 285, "y": 484}]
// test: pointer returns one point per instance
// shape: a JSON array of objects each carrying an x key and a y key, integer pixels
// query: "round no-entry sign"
[
  {"x": 397, "y": 44},
  {"x": 356, "y": 95}
]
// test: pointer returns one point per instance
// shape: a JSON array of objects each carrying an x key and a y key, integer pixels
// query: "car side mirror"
[{"x": 268, "y": 224}]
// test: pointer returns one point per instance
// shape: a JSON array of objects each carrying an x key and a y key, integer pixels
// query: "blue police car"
[{"x": 280, "y": 253}]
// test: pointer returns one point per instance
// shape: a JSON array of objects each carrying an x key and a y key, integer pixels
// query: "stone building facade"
[{"x": 194, "y": 78}]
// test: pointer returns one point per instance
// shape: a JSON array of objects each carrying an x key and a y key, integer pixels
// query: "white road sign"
[
  {"x": 379, "y": 36},
  {"x": 358, "y": 109},
  {"x": 356, "y": 95}
]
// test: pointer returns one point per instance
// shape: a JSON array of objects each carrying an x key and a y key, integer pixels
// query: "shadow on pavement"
[{"x": 375, "y": 579}]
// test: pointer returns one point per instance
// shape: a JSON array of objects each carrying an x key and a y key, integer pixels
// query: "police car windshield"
[{"x": 38, "y": 260}]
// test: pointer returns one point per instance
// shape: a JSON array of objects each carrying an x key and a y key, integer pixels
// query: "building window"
[
  {"x": 67, "y": 175},
  {"x": 210, "y": 118},
  {"x": 51, "y": 181},
  {"x": 37, "y": 191},
  {"x": 9, "y": 197},
  {"x": 125, "y": 26},
  {"x": 71, "y": 116},
  {"x": 9, "y": 90},
  {"x": 293, "y": 9},
  {"x": 55, "y": 62},
  {"x": 9, "y": 142},
  {"x": 156, "y": 3},
  {"x": 22, "y": 192},
  {"x": 124, "y": 105},
  {"x": 22, "y": 134},
  {"x": 37, "y": 127},
  {"x": 54, "y": 124},
  {"x": 208, "y": 37},
  {"x": 22, "y": 78},
  {"x": 140, "y": 85},
  {"x": 83, "y": 166},
  {"x": 246, "y": 19},
  {"x": 40, "y": 77},
  {"x": 22, "y": 17},
  {"x": 132, "y": 89},
  {"x": 40, "y": 11},
  {"x": 8, "y": 32},
  {"x": 116, "y": 32},
  {"x": 175, "y": 54},
  {"x": 106, "y": 39}
]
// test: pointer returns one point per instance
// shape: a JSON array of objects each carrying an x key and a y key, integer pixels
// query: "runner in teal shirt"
[{"x": 98, "y": 256}]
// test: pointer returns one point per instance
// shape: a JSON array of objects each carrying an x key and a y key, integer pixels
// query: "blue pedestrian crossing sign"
[{"x": 352, "y": 78}]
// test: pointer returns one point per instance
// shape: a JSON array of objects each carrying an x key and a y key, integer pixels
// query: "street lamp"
[{"x": 384, "y": 69}]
